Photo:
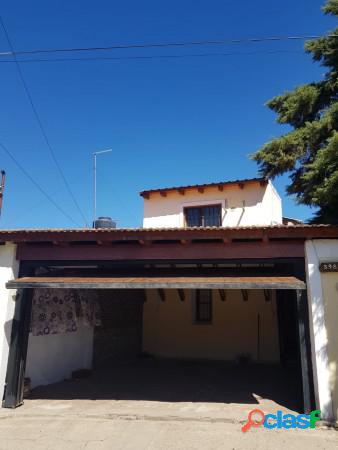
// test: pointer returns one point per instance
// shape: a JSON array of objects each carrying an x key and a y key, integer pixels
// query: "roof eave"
[
  {"x": 221, "y": 184},
  {"x": 171, "y": 234}
]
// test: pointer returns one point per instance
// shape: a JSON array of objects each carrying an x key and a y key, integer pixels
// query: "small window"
[
  {"x": 203, "y": 216},
  {"x": 203, "y": 310}
]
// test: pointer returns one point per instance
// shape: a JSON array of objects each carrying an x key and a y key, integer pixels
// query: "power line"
[
  {"x": 36, "y": 184},
  {"x": 122, "y": 58},
  {"x": 42, "y": 129},
  {"x": 25, "y": 211},
  {"x": 163, "y": 44}
]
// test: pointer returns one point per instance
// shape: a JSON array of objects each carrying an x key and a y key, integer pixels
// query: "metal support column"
[
  {"x": 18, "y": 349},
  {"x": 305, "y": 351}
]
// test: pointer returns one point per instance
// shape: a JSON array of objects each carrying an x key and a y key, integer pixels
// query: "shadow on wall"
[
  {"x": 4, "y": 345},
  {"x": 152, "y": 379},
  {"x": 8, "y": 330}
]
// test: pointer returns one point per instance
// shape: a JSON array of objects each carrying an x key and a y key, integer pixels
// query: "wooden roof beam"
[{"x": 179, "y": 283}]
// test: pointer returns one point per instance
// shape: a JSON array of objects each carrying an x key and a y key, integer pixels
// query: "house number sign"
[{"x": 329, "y": 267}]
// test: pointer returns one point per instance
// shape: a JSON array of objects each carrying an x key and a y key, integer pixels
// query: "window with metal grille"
[
  {"x": 203, "y": 308},
  {"x": 203, "y": 216}
]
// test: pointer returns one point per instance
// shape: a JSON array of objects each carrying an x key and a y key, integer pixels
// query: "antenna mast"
[{"x": 2, "y": 188}]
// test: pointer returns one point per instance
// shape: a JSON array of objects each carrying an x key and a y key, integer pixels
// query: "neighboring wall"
[
  {"x": 53, "y": 358},
  {"x": 253, "y": 205},
  {"x": 323, "y": 310},
  {"x": 169, "y": 329},
  {"x": 8, "y": 270}
]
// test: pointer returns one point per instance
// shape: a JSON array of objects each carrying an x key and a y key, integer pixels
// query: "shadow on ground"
[{"x": 151, "y": 379}]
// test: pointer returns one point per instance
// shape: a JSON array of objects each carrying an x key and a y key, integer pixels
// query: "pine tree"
[{"x": 309, "y": 153}]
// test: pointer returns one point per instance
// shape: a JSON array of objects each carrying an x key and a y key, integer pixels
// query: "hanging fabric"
[
  {"x": 53, "y": 312},
  {"x": 88, "y": 310},
  {"x": 58, "y": 311}
]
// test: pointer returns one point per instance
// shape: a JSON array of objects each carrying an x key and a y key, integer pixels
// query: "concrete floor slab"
[{"x": 151, "y": 404}]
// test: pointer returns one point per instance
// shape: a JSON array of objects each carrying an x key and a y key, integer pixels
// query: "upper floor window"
[{"x": 203, "y": 216}]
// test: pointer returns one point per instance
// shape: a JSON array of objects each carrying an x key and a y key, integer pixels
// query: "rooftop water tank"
[{"x": 104, "y": 222}]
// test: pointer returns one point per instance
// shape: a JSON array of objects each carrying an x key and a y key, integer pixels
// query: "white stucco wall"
[
  {"x": 222, "y": 339},
  {"x": 53, "y": 358},
  {"x": 272, "y": 206},
  {"x": 323, "y": 312},
  {"x": 252, "y": 205},
  {"x": 9, "y": 267}
]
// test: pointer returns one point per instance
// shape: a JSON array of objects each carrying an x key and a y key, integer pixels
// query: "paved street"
[
  {"x": 153, "y": 404},
  {"x": 109, "y": 424}
]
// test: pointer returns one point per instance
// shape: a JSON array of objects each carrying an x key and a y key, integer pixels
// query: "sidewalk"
[{"x": 103, "y": 424}]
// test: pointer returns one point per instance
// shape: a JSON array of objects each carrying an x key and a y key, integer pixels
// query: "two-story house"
[
  {"x": 215, "y": 273},
  {"x": 240, "y": 203},
  {"x": 205, "y": 324}
]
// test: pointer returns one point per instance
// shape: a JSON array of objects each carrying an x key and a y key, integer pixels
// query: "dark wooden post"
[
  {"x": 305, "y": 351},
  {"x": 18, "y": 349}
]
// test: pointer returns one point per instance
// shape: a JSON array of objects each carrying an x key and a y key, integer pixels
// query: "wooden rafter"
[
  {"x": 245, "y": 295},
  {"x": 161, "y": 294},
  {"x": 222, "y": 294},
  {"x": 181, "y": 294}
]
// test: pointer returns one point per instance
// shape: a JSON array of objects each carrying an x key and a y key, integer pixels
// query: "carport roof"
[
  {"x": 261, "y": 282},
  {"x": 301, "y": 231}
]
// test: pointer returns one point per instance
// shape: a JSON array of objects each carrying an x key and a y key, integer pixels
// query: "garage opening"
[
  {"x": 167, "y": 339},
  {"x": 75, "y": 332}
]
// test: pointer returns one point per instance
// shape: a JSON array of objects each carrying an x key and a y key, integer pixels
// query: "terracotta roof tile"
[
  {"x": 171, "y": 229},
  {"x": 299, "y": 231},
  {"x": 154, "y": 230}
]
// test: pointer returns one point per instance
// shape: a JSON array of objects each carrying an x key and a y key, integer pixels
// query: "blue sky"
[{"x": 169, "y": 121}]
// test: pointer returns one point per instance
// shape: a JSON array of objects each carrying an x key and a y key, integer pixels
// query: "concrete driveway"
[{"x": 158, "y": 405}]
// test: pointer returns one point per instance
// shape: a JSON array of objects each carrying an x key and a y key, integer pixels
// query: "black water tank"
[{"x": 104, "y": 222}]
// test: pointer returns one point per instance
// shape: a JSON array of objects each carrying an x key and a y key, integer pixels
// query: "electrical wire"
[
  {"x": 122, "y": 58},
  {"x": 163, "y": 44},
  {"x": 36, "y": 184},
  {"x": 14, "y": 53},
  {"x": 38, "y": 119},
  {"x": 25, "y": 211}
]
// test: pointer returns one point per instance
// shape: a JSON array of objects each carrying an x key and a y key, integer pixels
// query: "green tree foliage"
[{"x": 309, "y": 153}]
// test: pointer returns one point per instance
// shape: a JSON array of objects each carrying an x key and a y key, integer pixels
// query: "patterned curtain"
[{"x": 57, "y": 311}]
